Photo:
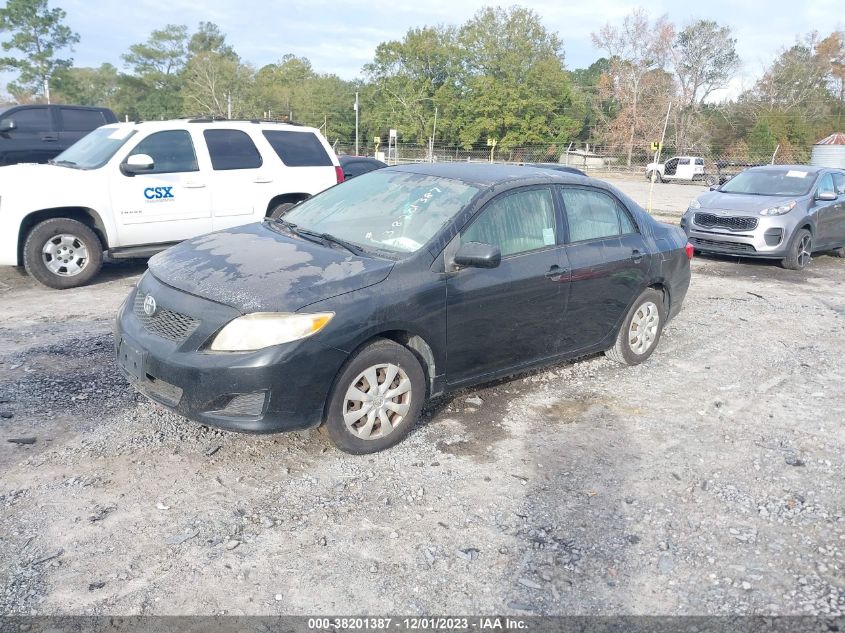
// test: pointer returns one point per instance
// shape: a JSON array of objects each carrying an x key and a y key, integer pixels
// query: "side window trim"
[
  {"x": 502, "y": 196},
  {"x": 620, "y": 208}
]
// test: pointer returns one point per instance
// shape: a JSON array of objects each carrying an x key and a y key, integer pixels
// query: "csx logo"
[{"x": 157, "y": 193}]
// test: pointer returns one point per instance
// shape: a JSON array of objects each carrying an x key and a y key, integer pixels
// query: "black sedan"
[{"x": 400, "y": 285}]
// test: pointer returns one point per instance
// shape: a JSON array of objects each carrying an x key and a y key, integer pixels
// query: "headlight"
[
  {"x": 263, "y": 329},
  {"x": 695, "y": 204},
  {"x": 784, "y": 208}
]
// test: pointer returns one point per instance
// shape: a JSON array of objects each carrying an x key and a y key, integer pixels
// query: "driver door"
[
  {"x": 511, "y": 315},
  {"x": 169, "y": 203},
  {"x": 671, "y": 167}
]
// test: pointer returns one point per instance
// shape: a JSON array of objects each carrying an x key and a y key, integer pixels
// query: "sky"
[{"x": 340, "y": 36}]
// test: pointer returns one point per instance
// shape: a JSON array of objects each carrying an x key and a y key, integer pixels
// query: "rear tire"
[
  {"x": 640, "y": 332},
  {"x": 657, "y": 176},
  {"x": 363, "y": 417},
  {"x": 800, "y": 251},
  {"x": 62, "y": 253}
]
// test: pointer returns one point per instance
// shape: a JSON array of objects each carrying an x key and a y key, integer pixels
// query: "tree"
[
  {"x": 832, "y": 51},
  {"x": 214, "y": 80},
  {"x": 796, "y": 80},
  {"x": 704, "y": 59},
  {"x": 512, "y": 85},
  {"x": 152, "y": 91},
  {"x": 39, "y": 33},
  {"x": 87, "y": 86},
  {"x": 637, "y": 50}
]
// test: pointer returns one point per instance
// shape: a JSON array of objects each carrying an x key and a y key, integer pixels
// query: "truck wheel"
[
  {"x": 657, "y": 176},
  {"x": 62, "y": 253}
]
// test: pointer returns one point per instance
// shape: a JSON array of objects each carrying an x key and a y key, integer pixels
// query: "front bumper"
[
  {"x": 279, "y": 388},
  {"x": 769, "y": 239}
]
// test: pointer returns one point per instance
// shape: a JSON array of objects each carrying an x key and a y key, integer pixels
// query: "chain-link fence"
[{"x": 711, "y": 166}]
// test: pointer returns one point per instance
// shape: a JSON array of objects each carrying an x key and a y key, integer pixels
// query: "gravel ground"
[{"x": 707, "y": 481}]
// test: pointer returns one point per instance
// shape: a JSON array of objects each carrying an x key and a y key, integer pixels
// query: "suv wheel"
[
  {"x": 62, "y": 253},
  {"x": 800, "y": 251},
  {"x": 376, "y": 399},
  {"x": 641, "y": 329}
]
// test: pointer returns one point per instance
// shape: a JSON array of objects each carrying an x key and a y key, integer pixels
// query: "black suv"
[{"x": 37, "y": 133}]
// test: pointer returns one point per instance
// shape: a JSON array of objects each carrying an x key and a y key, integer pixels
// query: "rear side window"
[
  {"x": 839, "y": 183},
  {"x": 684, "y": 161},
  {"x": 516, "y": 223},
  {"x": 31, "y": 120},
  {"x": 298, "y": 149},
  {"x": 231, "y": 149},
  {"x": 593, "y": 215},
  {"x": 74, "y": 120},
  {"x": 171, "y": 151},
  {"x": 699, "y": 161}
]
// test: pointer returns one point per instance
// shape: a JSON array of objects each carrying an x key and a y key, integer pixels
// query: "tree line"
[{"x": 499, "y": 77}]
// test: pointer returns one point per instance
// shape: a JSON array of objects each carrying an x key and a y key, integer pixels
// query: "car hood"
[
  {"x": 27, "y": 175},
  {"x": 256, "y": 269},
  {"x": 742, "y": 203}
]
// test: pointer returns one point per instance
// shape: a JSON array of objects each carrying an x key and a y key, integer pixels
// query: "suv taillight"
[
  {"x": 339, "y": 173},
  {"x": 689, "y": 250}
]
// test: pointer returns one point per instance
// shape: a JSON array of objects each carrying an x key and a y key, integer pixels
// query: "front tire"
[
  {"x": 800, "y": 251},
  {"x": 376, "y": 399},
  {"x": 640, "y": 332},
  {"x": 657, "y": 176},
  {"x": 62, "y": 253}
]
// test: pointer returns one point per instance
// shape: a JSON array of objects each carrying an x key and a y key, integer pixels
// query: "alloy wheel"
[
  {"x": 377, "y": 401},
  {"x": 65, "y": 255},
  {"x": 804, "y": 251}
]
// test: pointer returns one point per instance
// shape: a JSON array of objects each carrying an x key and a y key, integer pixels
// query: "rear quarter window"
[{"x": 298, "y": 149}]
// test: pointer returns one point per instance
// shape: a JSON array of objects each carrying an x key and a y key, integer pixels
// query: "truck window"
[
  {"x": 298, "y": 149},
  {"x": 31, "y": 120},
  {"x": 232, "y": 149},
  {"x": 171, "y": 151},
  {"x": 683, "y": 161},
  {"x": 76, "y": 120}
]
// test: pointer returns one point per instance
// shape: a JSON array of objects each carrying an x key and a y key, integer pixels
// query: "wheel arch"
[
  {"x": 282, "y": 198},
  {"x": 86, "y": 215}
]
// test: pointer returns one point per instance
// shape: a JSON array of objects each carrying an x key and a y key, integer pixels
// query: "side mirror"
[
  {"x": 714, "y": 187},
  {"x": 7, "y": 125},
  {"x": 478, "y": 255},
  {"x": 137, "y": 164},
  {"x": 826, "y": 196}
]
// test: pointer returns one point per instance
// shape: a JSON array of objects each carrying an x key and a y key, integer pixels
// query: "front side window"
[
  {"x": 31, "y": 120},
  {"x": 171, "y": 151},
  {"x": 516, "y": 223},
  {"x": 386, "y": 210},
  {"x": 593, "y": 215},
  {"x": 231, "y": 149}
]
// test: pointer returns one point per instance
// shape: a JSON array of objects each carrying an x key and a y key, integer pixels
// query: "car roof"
[
  {"x": 488, "y": 174},
  {"x": 213, "y": 123}
]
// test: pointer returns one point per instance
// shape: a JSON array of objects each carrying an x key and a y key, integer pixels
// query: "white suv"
[{"x": 132, "y": 189}]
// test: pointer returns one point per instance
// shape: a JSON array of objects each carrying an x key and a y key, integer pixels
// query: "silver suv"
[{"x": 785, "y": 212}]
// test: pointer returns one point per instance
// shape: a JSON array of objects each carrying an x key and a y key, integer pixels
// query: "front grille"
[
  {"x": 168, "y": 324},
  {"x": 734, "y": 223},
  {"x": 735, "y": 247}
]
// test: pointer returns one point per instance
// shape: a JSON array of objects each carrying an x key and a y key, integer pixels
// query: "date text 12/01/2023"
[{"x": 417, "y": 623}]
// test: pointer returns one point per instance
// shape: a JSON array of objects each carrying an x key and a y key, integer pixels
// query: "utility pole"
[
  {"x": 229, "y": 105},
  {"x": 356, "y": 123},
  {"x": 433, "y": 134},
  {"x": 47, "y": 89}
]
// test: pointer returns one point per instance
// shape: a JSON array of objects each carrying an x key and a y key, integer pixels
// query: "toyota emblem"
[{"x": 150, "y": 305}]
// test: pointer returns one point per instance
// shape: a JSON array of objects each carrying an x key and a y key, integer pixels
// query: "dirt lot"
[{"x": 707, "y": 481}]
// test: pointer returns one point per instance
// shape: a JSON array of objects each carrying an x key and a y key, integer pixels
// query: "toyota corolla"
[{"x": 364, "y": 301}]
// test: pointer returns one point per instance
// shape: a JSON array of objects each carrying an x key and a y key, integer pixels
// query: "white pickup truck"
[
  {"x": 132, "y": 189},
  {"x": 686, "y": 168}
]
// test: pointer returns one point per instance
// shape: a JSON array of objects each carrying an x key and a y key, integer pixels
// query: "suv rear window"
[
  {"x": 75, "y": 120},
  {"x": 231, "y": 149},
  {"x": 298, "y": 149}
]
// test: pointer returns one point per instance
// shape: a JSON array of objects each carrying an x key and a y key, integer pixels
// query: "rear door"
[
  {"x": 74, "y": 123},
  {"x": 685, "y": 169},
  {"x": 168, "y": 204},
  {"x": 511, "y": 315},
  {"x": 33, "y": 139},
  {"x": 609, "y": 263},
  {"x": 241, "y": 182}
]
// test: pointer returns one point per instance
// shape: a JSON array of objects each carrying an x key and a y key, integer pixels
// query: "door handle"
[
  {"x": 556, "y": 272},
  {"x": 636, "y": 256},
  {"x": 49, "y": 137},
  {"x": 262, "y": 180},
  {"x": 194, "y": 185}
]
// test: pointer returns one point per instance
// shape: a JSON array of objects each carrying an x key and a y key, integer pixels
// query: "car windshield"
[
  {"x": 386, "y": 210},
  {"x": 771, "y": 182},
  {"x": 94, "y": 149}
]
